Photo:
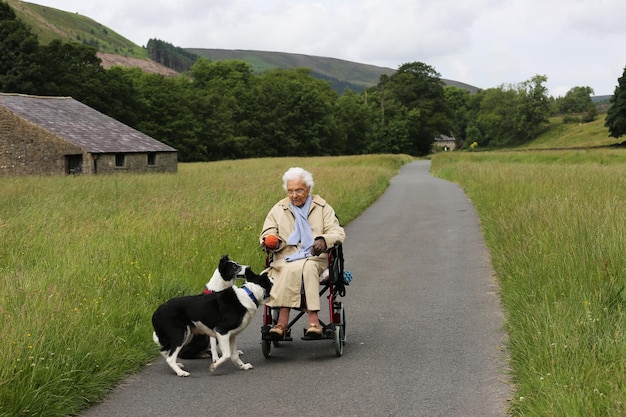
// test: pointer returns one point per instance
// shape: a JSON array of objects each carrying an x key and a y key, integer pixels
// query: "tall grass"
[
  {"x": 85, "y": 260},
  {"x": 555, "y": 224}
]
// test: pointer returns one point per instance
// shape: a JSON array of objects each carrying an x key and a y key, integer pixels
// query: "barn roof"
[
  {"x": 81, "y": 125},
  {"x": 444, "y": 138}
]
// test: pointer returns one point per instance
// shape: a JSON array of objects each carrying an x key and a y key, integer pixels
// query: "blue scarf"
[{"x": 303, "y": 233}]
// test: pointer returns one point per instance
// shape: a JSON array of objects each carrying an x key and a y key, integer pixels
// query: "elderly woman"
[{"x": 305, "y": 225}]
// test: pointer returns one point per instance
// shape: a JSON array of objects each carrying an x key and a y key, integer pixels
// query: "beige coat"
[{"x": 290, "y": 277}]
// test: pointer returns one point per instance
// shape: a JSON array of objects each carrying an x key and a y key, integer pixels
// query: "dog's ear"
[
  {"x": 249, "y": 273},
  {"x": 266, "y": 277},
  {"x": 223, "y": 262}
]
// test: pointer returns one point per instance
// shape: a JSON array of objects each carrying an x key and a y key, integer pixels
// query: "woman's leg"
[
  {"x": 278, "y": 331},
  {"x": 283, "y": 317},
  {"x": 310, "y": 276},
  {"x": 311, "y": 279}
]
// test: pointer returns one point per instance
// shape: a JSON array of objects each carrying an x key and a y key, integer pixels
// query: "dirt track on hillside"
[{"x": 111, "y": 60}]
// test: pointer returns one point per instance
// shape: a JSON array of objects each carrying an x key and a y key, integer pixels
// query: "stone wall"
[
  {"x": 136, "y": 162},
  {"x": 27, "y": 149}
]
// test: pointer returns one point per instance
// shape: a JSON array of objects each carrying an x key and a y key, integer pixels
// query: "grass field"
[
  {"x": 84, "y": 261},
  {"x": 555, "y": 225},
  {"x": 78, "y": 252}
]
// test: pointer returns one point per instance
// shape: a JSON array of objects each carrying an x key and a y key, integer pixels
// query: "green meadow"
[
  {"x": 555, "y": 225},
  {"x": 85, "y": 260}
]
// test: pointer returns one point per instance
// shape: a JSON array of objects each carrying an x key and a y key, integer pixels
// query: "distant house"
[
  {"x": 446, "y": 143},
  {"x": 60, "y": 135}
]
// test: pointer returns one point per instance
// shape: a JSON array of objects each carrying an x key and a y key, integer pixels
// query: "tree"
[
  {"x": 168, "y": 114},
  {"x": 120, "y": 96},
  {"x": 220, "y": 94},
  {"x": 509, "y": 115},
  {"x": 170, "y": 56},
  {"x": 533, "y": 114},
  {"x": 457, "y": 100},
  {"x": 576, "y": 100},
  {"x": 493, "y": 117},
  {"x": 616, "y": 115},
  {"x": 417, "y": 109},
  {"x": 292, "y": 114},
  {"x": 354, "y": 124},
  {"x": 71, "y": 69},
  {"x": 18, "y": 53}
]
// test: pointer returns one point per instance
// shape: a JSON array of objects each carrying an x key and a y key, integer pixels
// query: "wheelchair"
[{"x": 334, "y": 286}]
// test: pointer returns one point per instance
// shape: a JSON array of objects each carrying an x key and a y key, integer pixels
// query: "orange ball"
[{"x": 271, "y": 241}]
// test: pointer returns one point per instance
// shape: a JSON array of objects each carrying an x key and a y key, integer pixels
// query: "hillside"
[
  {"x": 49, "y": 23},
  {"x": 146, "y": 65},
  {"x": 561, "y": 135},
  {"x": 358, "y": 75},
  {"x": 113, "y": 49}
]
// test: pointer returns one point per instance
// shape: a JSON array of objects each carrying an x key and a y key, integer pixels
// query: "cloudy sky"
[{"x": 485, "y": 43}]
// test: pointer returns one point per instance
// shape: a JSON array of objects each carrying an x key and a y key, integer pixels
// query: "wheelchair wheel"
[
  {"x": 343, "y": 324},
  {"x": 340, "y": 330},
  {"x": 340, "y": 317},
  {"x": 338, "y": 340},
  {"x": 266, "y": 346}
]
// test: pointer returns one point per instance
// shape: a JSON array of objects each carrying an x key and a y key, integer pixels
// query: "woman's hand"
[{"x": 319, "y": 246}]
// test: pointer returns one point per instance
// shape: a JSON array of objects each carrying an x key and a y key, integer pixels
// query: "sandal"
[
  {"x": 277, "y": 332},
  {"x": 314, "y": 330}
]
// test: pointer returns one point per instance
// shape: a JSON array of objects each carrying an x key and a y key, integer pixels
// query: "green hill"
[
  {"x": 49, "y": 23},
  {"x": 357, "y": 75},
  {"x": 340, "y": 73},
  {"x": 561, "y": 135}
]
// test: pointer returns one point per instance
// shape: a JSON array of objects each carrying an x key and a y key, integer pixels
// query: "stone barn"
[
  {"x": 60, "y": 135},
  {"x": 445, "y": 143}
]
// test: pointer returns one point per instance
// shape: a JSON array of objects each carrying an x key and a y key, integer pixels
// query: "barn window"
[
  {"x": 151, "y": 158},
  {"x": 119, "y": 159}
]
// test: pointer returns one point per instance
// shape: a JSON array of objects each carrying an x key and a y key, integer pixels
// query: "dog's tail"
[{"x": 156, "y": 338}]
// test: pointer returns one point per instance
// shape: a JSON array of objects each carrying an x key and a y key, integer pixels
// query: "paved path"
[{"x": 423, "y": 327}]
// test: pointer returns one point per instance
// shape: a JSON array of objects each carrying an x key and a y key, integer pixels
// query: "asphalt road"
[{"x": 424, "y": 329}]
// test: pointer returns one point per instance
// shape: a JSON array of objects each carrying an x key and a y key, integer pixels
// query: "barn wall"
[
  {"x": 26, "y": 149},
  {"x": 137, "y": 163}
]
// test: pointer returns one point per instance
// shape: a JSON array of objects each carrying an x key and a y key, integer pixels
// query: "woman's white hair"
[{"x": 297, "y": 173}]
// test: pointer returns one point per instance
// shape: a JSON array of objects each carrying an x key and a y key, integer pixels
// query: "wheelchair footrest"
[
  {"x": 327, "y": 333},
  {"x": 266, "y": 336}
]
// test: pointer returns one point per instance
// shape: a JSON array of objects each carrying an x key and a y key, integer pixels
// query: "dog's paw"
[
  {"x": 240, "y": 352},
  {"x": 246, "y": 366},
  {"x": 183, "y": 373},
  {"x": 212, "y": 367}
]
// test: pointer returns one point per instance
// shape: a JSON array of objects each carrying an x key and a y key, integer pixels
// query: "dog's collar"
[
  {"x": 207, "y": 291},
  {"x": 252, "y": 297}
]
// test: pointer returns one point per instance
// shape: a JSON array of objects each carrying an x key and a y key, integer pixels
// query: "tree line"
[
  {"x": 222, "y": 110},
  {"x": 170, "y": 56}
]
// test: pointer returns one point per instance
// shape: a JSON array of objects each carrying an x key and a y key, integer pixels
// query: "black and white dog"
[
  {"x": 223, "y": 277},
  {"x": 222, "y": 315}
]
